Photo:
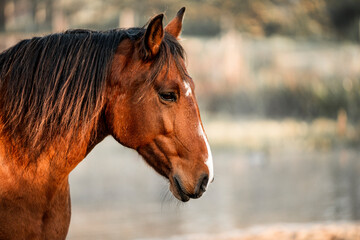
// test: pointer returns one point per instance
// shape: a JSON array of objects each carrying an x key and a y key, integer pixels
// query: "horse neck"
[{"x": 54, "y": 164}]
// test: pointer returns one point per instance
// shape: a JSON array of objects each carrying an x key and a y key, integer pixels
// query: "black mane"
[{"x": 53, "y": 84}]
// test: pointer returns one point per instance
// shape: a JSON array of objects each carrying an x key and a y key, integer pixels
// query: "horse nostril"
[{"x": 202, "y": 184}]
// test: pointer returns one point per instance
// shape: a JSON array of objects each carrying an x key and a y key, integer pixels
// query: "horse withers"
[{"x": 62, "y": 94}]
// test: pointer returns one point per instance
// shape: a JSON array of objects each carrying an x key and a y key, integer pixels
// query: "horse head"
[{"x": 151, "y": 107}]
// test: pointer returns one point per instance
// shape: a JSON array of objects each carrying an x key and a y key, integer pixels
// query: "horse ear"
[
  {"x": 175, "y": 25},
  {"x": 154, "y": 35}
]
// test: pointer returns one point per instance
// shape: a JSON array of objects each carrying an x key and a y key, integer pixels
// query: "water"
[{"x": 115, "y": 195}]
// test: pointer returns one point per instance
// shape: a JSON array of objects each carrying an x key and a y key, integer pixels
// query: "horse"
[{"x": 62, "y": 94}]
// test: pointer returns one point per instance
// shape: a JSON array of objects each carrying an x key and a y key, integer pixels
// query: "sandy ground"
[{"x": 335, "y": 231}]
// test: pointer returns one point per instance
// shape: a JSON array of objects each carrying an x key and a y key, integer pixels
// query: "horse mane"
[{"x": 54, "y": 84}]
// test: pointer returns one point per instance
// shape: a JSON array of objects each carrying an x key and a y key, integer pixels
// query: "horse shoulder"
[{"x": 34, "y": 203}]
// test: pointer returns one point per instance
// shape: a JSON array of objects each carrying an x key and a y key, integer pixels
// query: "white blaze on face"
[
  {"x": 209, "y": 160},
  {"x": 187, "y": 88}
]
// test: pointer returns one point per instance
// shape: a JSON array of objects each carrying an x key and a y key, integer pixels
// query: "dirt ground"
[{"x": 338, "y": 231}]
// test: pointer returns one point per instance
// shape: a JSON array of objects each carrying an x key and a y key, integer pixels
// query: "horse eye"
[{"x": 168, "y": 96}]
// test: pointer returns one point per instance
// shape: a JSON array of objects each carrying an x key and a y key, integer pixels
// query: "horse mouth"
[{"x": 178, "y": 192}]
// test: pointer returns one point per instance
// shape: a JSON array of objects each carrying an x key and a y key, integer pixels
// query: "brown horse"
[{"x": 62, "y": 94}]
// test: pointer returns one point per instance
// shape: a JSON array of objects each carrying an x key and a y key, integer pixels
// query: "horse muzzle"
[{"x": 177, "y": 187}]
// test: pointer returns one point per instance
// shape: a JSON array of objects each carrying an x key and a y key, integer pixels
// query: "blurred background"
[{"x": 278, "y": 85}]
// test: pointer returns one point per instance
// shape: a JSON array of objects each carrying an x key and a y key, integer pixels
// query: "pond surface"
[{"x": 115, "y": 195}]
